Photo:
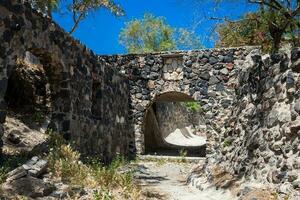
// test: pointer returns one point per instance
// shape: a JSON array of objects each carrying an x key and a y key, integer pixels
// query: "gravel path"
[{"x": 167, "y": 181}]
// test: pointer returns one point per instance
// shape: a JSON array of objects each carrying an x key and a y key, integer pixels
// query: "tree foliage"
[
  {"x": 251, "y": 30},
  {"x": 274, "y": 23},
  {"x": 79, "y": 9},
  {"x": 46, "y": 6},
  {"x": 152, "y": 34}
]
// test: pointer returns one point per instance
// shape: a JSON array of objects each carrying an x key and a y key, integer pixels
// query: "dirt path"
[{"x": 167, "y": 181}]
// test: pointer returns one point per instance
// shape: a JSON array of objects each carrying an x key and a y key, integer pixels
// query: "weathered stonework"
[
  {"x": 207, "y": 76},
  {"x": 265, "y": 123},
  {"x": 95, "y": 99},
  {"x": 251, "y": 102},
  {"x": 80, "y": 85},
  {"x": 261, "y": 141}
]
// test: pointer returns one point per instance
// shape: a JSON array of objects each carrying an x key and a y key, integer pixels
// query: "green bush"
[
  {"x": 192, "y": 106},
  {"x": 227, "y": 142},
  {"x": 8, "y": 163}
]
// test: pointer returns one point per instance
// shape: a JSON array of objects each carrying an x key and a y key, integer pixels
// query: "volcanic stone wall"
[
  {"x": 263, "y": 139},
  {"x": 250, "y": 102},
  {"x": 207, "y": 76},
  {"x": 87, "y": 97}
]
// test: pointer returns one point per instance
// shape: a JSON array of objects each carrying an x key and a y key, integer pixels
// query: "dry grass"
[
  {"x": 108, "y": 183},
  {"x": 221, "y": 178},
  {"x": 261, "y": 194}
]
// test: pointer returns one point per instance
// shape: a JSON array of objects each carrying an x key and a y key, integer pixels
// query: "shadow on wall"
[
  {"x": 171, "y": 126},
  {"x": 36, "y": 89}
]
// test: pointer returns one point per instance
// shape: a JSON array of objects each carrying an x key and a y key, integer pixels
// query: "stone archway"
[
  {"x": 208, "y": 76},
  {"x": 170, "y": 126}
]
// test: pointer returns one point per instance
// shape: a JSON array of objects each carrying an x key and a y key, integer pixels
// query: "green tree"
[
  {"x": 249, "y": 30},
  {"x": 275, "y": 22},
  {"x": 253, "y": 29},
  {"x": 152, "y": 34},
  {"x": 282, "y": 18},
  {"x": 78, "y": 9},
  {"x": 46, "y": 6},
  {"x": 82, "y": 8}
]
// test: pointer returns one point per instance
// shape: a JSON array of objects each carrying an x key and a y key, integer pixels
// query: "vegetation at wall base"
[{"x": 65, "y": 165}]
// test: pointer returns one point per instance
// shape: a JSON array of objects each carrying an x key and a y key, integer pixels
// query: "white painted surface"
[{"x": 185, "y": 137}]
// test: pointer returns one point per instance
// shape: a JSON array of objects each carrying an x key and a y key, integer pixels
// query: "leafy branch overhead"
[
  {"x": 272, "y": 25},
  {"x": 79, "y": 9}
]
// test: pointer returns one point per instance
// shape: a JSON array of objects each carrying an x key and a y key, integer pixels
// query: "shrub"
[
  {"x": 8, "y": 163},
  {"x": 192, "y": 106},
  {"x": 109, "y": 182},
  {"x": 183, "y": 154},
  {"x": 227, "y": 142}
]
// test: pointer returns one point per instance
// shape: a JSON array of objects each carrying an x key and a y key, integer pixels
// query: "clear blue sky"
[{"x": 100, "y": 30}]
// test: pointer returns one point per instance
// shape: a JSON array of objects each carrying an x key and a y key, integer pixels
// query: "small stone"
[
  {"x": 174, "y": 64},
  {"x": 14, "y": 137},
  {"x": 296, "y": 163},
  {"x": 224, "y": 71},
  {"x": 220, "y": 87},
  {"x": 297, "y": 106},
  {"x": 229, "y": 66},
  {"x": 155, "y": 68},
  {"x": 277, "y": 146},
  {"x": 140, "y": 107},
  {"x": 16, "y": 174},
  {"x": 290, "y": 80},
  {"x": 160, "y": 82},
  {"x": 295, "y": 54},
  {"x": 205, "y": 75},
  {"x": 292, "y": 176},
  {"x": 212, "y": 60},
  {"x": 228, "y": 59},
  {"x": 295, "y": 126},
  {"x": 28, "y": 186},
  {"x": 272, "y": 118},
  {"x": 138, "y": 95},
  {"x": 296, "y": 184},
  {"x": 275, "y": 177},
  {"x": 295, "y": 62},
  {"x": 284, "y": 115},
  {"x": 154, "y": 75},
  {"x": 226, "y": 103},
  {"x": 151, "y": 84},
  {"x": 188, "y": 63},
  {"x": 213, "y": 80}
]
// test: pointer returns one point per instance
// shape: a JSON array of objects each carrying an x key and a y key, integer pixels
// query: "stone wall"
[
  {"x": 95, "y": 99},
  {"x": 262, "y": 139},
  {"x": 207, "y": 76},
  {"x": 82, "y": 87}
]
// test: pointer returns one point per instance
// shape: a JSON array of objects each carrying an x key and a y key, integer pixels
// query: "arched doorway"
[{"x": 173, "y": 124}]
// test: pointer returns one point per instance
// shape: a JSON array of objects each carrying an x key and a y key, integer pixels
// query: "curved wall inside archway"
[{"x": 170, "y": 126}]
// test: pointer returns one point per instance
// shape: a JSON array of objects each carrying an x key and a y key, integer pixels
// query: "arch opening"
[
  {"x": 33, "y": 96},
  {"x": 28, "y": 88},
  {"x": 174, "y": 125}
]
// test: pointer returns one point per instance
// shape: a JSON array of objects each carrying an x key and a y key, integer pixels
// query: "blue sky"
[{"x": 100, "y": 30}]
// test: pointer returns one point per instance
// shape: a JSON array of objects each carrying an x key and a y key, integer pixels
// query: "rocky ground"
[
  {"x": 159, "y": 179},
  {"x": 24, "y": 135},
  {"x": 168, "y": 181}
]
